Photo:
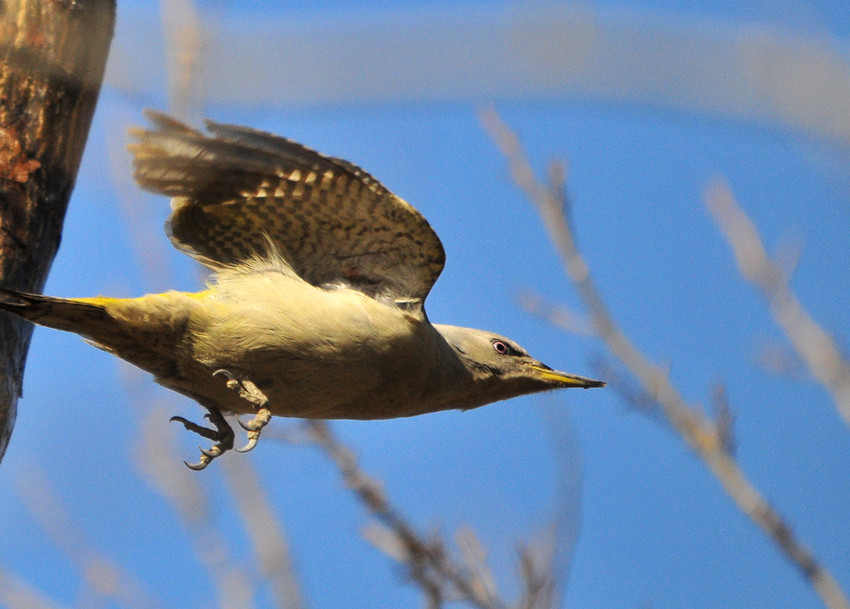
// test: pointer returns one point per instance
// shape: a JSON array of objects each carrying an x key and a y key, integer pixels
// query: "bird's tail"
[
  {"x": 81, "y": 316},
  {"x": 143, "y": 331}
]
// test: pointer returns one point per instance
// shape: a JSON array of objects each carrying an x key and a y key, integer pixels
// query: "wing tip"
[{"x": 166, "y": 122}]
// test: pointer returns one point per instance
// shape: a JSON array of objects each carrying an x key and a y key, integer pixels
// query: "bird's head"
[{"x": 500, "y": 369}]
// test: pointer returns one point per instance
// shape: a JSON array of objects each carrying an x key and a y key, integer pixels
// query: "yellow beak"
[{"x": 564, "y": 379}]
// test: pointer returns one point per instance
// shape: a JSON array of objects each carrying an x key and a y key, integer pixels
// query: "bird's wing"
[{"x": 238, "y": 189}]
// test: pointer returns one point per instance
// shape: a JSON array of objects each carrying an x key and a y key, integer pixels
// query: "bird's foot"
[
  {"x": 254, "y": 427},
  {"x": 222, "y": 435},
  {"x": 248, "y": 391}
]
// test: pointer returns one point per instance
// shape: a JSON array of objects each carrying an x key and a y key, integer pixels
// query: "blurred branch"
[
  {"x": 748, "y": 71},
  {"x": 265, "y": 530},
  {"x": 158, "y": 459},
  {"x": 473, "y": 554},
  {"x": 555, "y": 548},
  {"x": 535, "y": 567},
  {"x": 427, "y": 560},
  {"x": 16, "y": 594},
  {"x": 630, "y": 390},
  {"x": 187, "y": 53},
  {"x": 559, "y": 316},
  {"x": 104, "y": 579},
  {"x": 777, "y": 359},
  {"x": 813, "y": 345},
  {"x": 724, "y": 418},
  {"x": 706, "y": 438}
]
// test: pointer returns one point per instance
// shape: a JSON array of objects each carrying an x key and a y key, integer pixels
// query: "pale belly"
[
  {"x": 353, "y": 358},
  {"x": 353, "y": 388}
]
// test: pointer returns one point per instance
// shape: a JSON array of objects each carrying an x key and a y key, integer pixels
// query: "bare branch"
[
  {"x": 103, "y": 578},
  {"x": 539, "y": 587},
  {"x": 16, "y": 594},
  {"x": 187, "y": 44},
  {"x": 699, "y": 433},
  {"x": 426, "y": 559},
  {"x": 557, "y": 542},
  {"x": 158, "y": 460},
  {"x": 265, "y": 531},
  {"x": 814, "y": 346},
  {"x": 474, "y": 556},
  {"x": 724, "y": 419},
  {"x": 559, "y": 316},
  {"x": 778, "y": 359},
  {"x": 630, "y": 390}
]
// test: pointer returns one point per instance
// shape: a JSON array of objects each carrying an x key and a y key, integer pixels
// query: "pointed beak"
[{"x": 563, "y": 379}]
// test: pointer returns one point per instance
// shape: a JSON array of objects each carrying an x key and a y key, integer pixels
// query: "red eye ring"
[{"x": 500, "y": 347}]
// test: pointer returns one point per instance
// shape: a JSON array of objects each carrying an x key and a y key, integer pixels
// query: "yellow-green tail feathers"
[
  {"x": 82, "y": 316},
  {"x": 143, "y": 331}
]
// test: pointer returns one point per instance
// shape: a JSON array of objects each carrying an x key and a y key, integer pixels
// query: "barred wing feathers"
[{"x": 236, "y": 189}]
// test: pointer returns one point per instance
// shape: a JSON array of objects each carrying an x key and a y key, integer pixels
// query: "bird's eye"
[{"x": 500, "y": 347}]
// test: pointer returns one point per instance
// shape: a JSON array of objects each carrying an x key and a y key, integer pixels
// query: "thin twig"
[
  {"x": 105, "y": 580},
  {"x": 555, "y": 546},
  {"x": 630, "y": 390},
  {"x": 539, "y": 587},
  {"x": 157, "y": 458},
  {"x": 558, "y": 315},
  {"x": 187, "y": 42},
  {"x": 17, "y": 594},
  {"x": 813, "y": 345},
  {"x": 265, "y": 530},
  {"x": 474, "y": 556},
  {"x": 778, "y": 359},
  {"x": 429, "y": 564},
  {"x": 724, "y": 418},
  {"x": 427, "y": 560},
  {"x": 703, "y": 436}
]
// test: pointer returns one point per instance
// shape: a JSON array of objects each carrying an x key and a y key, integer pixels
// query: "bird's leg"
[
  {"x": 222, "y": 435},
  {"x": 248, "y": 391}
]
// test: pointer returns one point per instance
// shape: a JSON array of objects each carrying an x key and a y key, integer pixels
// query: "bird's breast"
[{"x": 319, "y": 353}]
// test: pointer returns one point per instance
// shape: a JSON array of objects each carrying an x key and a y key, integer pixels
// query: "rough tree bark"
[{"x": 52, "y": 58}]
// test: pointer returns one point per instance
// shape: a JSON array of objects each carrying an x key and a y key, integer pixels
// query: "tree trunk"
[{"x": 52, "y": 57}]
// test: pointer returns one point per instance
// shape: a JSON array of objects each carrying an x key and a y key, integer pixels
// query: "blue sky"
[{"x": 655, "y": 527}]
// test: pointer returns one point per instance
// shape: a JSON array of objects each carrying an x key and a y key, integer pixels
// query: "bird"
[{"x": 315, "y": 304}]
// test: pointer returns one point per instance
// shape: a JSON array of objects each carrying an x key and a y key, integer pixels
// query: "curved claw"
[
  {"x": 252, "y": 442},
  {"x": 241, "y": 424},
  {"x": 197, "y": 466},
  {"x": 225, "y": 373},
  {"x": 222, "y": 435},
  {"x": 212, "y": 453}
]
